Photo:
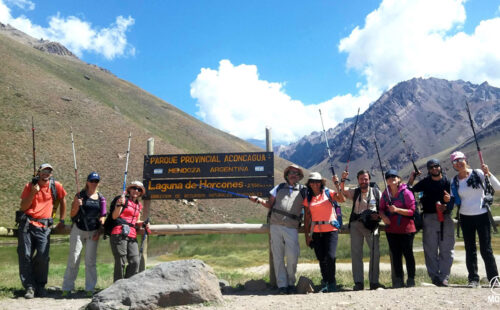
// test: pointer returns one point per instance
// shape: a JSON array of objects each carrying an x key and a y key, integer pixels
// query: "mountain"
[
  {"x": 429, "y": 113},
  {"x": 44, "y": 80}
]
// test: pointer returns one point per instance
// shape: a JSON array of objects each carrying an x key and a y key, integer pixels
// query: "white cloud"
[
  {"x": 234, "y": 99},
  {"x": 403, "y": 39},
  {"x": 22, "y": 4},
  {"x": 77, "y": 35}
]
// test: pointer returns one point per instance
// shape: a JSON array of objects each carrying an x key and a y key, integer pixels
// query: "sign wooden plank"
[
  {"x": 209, "y": 165},
  {"x": 208, "y": 188}
]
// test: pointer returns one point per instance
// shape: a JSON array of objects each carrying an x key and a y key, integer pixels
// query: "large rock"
[{"x": 167, "y": 284}]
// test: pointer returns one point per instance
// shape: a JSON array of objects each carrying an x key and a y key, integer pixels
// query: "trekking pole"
[
  {"x": 489, "y": 190},
  {"x": 330, "y": 157},
  {"x": 382, "y": 170},
  {"x": 417, "y": 172},
  {"x": 224, "y": 191},
  {"x": 126, "y": 166},
  {"x": 74, "y": 160},
  {"x": 146, "y": 232},
  {"x": 352, "y": 142},
  {"x": 34, "y": 149}
]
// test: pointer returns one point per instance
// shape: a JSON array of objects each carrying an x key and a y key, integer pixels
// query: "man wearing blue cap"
[{"x": 438, "y": 230}]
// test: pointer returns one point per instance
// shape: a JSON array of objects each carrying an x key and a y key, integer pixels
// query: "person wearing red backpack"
[
  {"x": 397, "y": 206},
  {"x": 123, "y": 239},
  {"x": 321, "y": 226}
]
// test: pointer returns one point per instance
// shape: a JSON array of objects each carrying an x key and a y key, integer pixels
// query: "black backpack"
[
  {"x": 81, "y": 217},
  {"x": 110, "y": 223}
]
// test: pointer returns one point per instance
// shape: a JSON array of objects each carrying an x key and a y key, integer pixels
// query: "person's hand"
[
  {"x": 60, "y": 227},
  {"x": 375, "y": 216},
  {"x": 485, "y": 169},
  {"x": 95, "y": 236},
  {"x": 344, "y": 175},
  {"x": 253, "y": 198},
  {"x": 446, "y": 197},
  {"x": 335, "y": 179},
  {"x": 392, "y": 208},
  {"x": 121, "y": 201},
  {"x": 386, "y": 220},
  {"x": 35, "y": 188},
  {"x": 441, "y": 207},
  {"x": 336, "y": 224}
]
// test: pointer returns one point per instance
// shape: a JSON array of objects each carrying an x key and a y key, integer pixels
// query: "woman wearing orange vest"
[{"x": 322, "y": 226}]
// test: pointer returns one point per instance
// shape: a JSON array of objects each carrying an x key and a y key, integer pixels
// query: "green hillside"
[{"x": 62, "y": 92}]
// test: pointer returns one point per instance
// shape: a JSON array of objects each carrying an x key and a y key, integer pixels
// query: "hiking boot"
[
  {"x": 410, "y": 282},
  {"x": 374, "y": 286},
  {"x": 65, "y": 294},
  {"x": 324, "y": 289},
  {"x": 474, "y": 284},
  {"x": 41, "y": 292},
  {"x": 332, "y": 287},
  {"x": 292, "y": 289},
  {"x": 445, "y": 283},
  {"x": 398, "y": 283},
  {"x": 358, "y": 286},
  {"x": 30, "y": 293},
  {"x": 283, "y": 290}
]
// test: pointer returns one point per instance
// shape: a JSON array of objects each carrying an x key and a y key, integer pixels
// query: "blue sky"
[{"x": 243, "y": 65}]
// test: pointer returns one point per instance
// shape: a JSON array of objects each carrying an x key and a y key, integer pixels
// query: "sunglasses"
[
  {"x": 391, "y": 176},
  {"x": 46, "y": 171},
  {"x": 314, "y": 181},
  {"x": 433, "y": 167},
  {"x": 94, "y": 181},
  {"x": 293, "y": 173},
  {"x": 459, "y": 160},
  {"x": 137, "y": 189}
]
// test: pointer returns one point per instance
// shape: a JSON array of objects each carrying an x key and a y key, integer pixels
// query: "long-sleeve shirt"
[{"x": 399, "y": 224}]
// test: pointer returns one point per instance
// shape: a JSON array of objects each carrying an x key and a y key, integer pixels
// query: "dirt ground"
[
  {"x": 426, "y": 296},
  {"x": 406, "y": 298}
]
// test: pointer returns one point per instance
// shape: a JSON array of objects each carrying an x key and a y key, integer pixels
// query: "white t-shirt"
[{"x": 472, "y": 198}]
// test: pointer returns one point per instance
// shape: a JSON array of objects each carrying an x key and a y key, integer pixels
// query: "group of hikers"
[
  {"x": 395, "y": 206},
  {"x": 88, "y": 214}
]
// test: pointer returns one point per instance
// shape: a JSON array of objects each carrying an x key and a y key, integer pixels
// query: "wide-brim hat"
[
  {"x": 316, "y": 176},
  {"x": 137, "y": 184},
  {"x": 301, "y": 173},
  {"x": 457, "y": 155}
]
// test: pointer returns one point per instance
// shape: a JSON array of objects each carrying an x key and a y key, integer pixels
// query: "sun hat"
[
  {"x": 93, "y": 176},
  {"x": 317, "y": 177},
  {"x": 457, "y": 155},
  {"x": 293, "y": 166},
  {"x": 390, "y": 173},
  {"x": 137, "y": 184}
]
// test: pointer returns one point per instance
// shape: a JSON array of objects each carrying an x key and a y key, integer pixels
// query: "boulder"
[
  {"x": 167, "y": 284},
  {"x": 255, "y": 285}
]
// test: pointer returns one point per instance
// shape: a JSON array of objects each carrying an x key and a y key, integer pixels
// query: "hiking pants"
[
  {"x": 325, "y": 247},
  {"x": 358, "y": 233},
  {"x": 438, "y": 253},
  {"x": 33, "y": 245},
  {"x": 480, "y": 223},
  {"x": 77, "y": 239},
  {"x": 402, "y": 245},
  {"x": 284, "y": 243},
  {"x": 124, "y": 250}
]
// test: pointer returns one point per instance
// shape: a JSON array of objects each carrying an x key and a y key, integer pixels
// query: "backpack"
[
  {"x": 303, "y": 193},
  {"x": 110, "y": 223},
  {"x": 417, "y": 215},
  {"x": 82, "y": 217},
  {"x": 335, "y": 205}
]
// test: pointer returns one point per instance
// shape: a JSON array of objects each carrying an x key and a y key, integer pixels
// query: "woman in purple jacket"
[{"x": 397, "y": 206}]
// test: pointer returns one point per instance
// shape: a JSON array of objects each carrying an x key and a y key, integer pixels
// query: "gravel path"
[{"x": 423, "y": 297}]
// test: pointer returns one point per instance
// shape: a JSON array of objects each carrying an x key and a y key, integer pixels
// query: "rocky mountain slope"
[
  {"x": 429, "y": 113},
  {"x": 43, "y": 80}
]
